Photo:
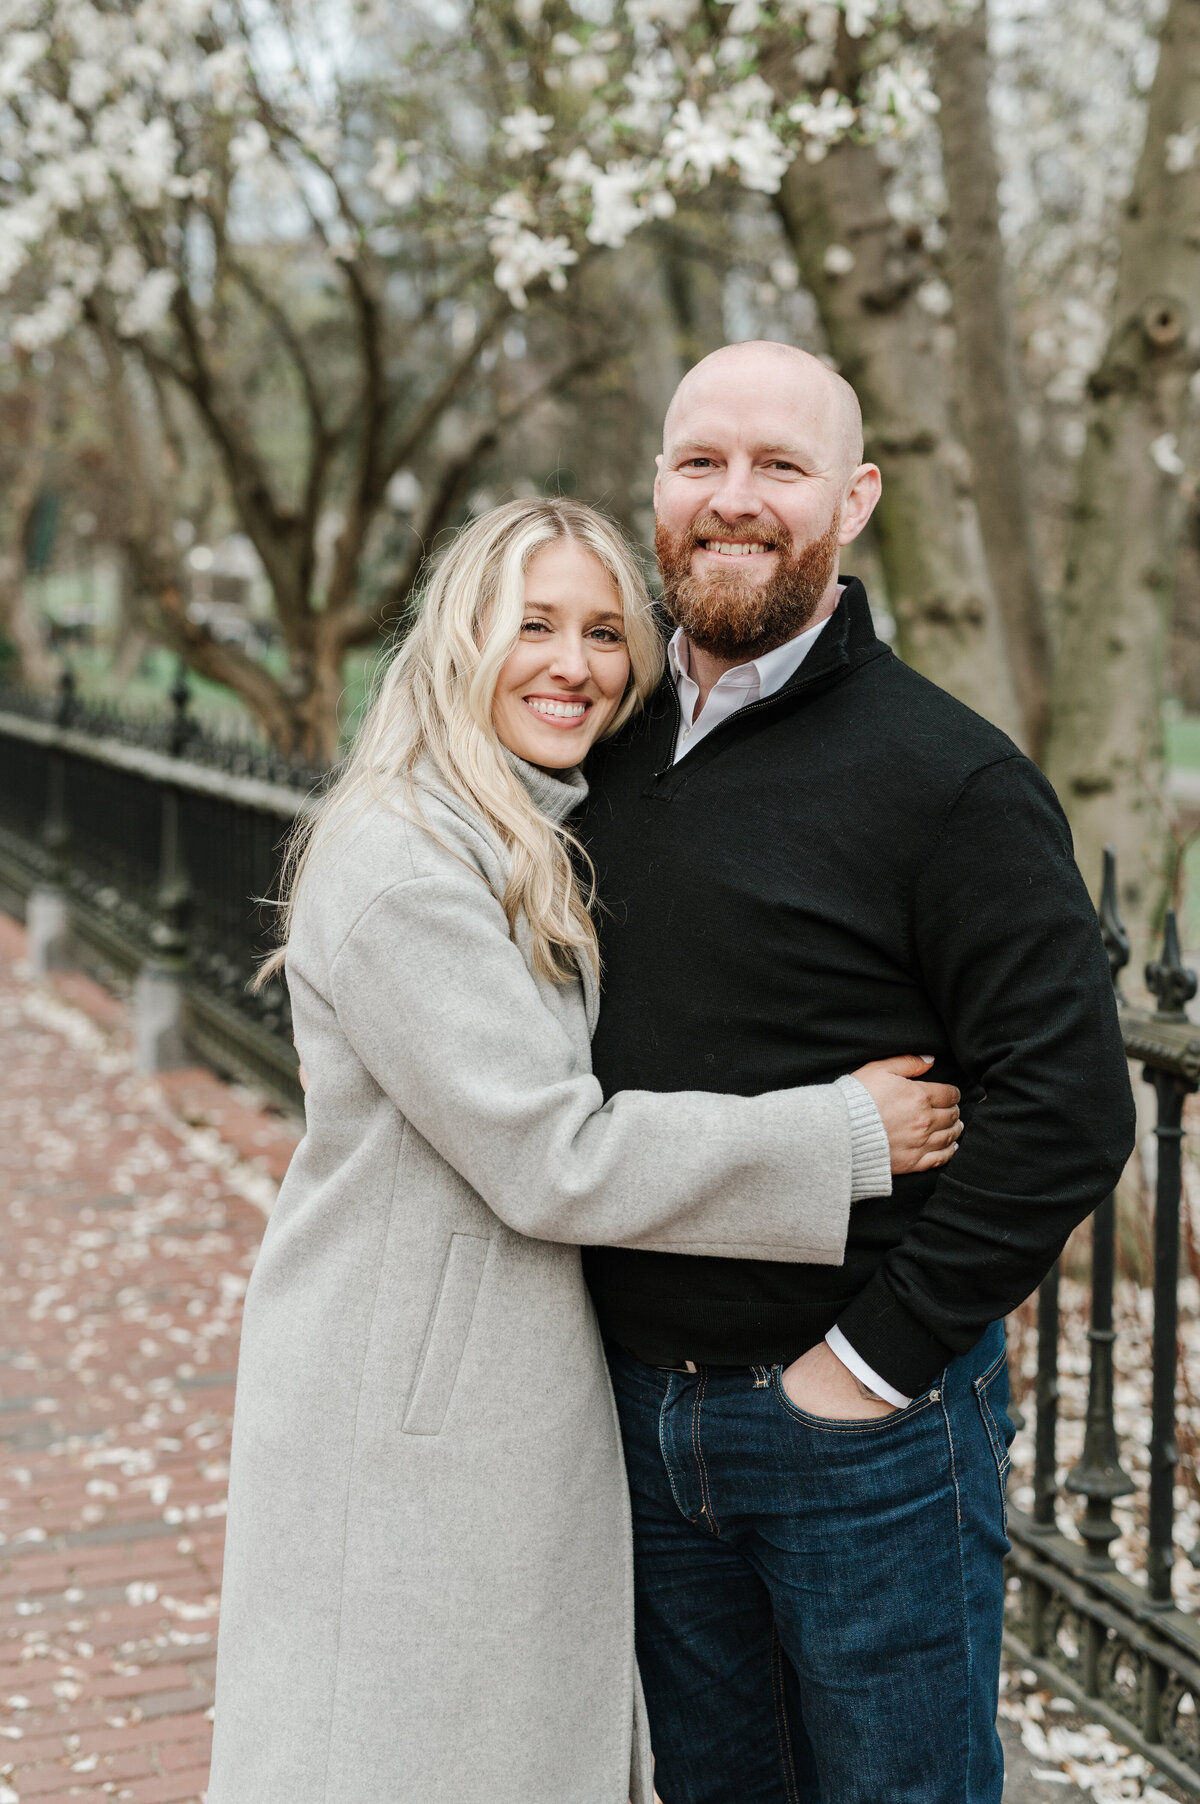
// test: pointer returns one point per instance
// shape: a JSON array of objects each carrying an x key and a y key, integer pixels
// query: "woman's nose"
[{"x": 570, "y": 664}]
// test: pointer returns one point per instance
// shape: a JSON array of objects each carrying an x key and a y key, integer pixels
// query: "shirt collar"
[{"x": 768, "y": 673}]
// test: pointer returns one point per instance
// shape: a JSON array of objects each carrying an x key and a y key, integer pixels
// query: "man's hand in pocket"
[{"x": 820, "y": 1385}]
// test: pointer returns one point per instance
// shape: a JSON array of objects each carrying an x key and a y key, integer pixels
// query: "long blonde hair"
[{"x": 435, "y": 699}]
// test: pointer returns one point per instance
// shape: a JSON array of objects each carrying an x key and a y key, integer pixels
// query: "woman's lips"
[{"x": 563, "y": 712}]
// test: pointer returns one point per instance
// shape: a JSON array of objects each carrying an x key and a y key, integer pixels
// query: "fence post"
[
  {"x": 1045, "y": 1443},
  {"x": 47, "y": 916},
  {"x": 159, "y": 994},
  {"x": 1098, "y": 1474}
]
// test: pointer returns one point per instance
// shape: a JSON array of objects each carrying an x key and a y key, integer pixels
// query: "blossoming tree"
[{"x": 330, "y": 193}]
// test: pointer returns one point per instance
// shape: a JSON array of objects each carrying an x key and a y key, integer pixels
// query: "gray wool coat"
[{"x": 428, "y": 1592}]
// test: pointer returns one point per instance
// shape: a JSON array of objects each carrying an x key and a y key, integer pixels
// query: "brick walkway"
[{"x": 130, "y": 1213}]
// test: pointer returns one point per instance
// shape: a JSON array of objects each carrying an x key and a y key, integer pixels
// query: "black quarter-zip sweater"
[{"x": 854, "y": 867}]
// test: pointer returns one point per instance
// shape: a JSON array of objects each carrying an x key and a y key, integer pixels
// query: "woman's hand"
[{"x": 921, "y": 1120}]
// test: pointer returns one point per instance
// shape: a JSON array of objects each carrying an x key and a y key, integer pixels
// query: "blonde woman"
[{"x": 428, "y": 1581}]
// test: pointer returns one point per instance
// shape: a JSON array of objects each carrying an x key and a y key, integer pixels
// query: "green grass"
[{"x": 1181, "y": 735}]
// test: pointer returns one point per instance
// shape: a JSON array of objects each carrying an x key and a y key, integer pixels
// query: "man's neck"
[{"x": 706, "y": 670}]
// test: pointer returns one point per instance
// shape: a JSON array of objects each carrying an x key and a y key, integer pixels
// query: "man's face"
[{"x": 754, "y": 497}]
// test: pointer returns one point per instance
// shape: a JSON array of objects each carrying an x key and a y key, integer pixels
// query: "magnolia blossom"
[
  {"x": 148, "y": 306},
  {"x": 523, "y": 258},
  {"x": 1181, "y": 150},
  {"x": 58, "y": 312},
  {"x": 395, "y": 174},
  {"x": 822, "y": 122},
  {"x": 526, "y": 131},
  {"x": 899, "y": 97}
]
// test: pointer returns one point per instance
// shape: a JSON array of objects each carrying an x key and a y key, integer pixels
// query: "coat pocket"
[{"x": 446, "y": 1335}]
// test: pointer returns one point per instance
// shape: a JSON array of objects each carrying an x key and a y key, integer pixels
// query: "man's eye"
[{"x": 698, "y": 463}]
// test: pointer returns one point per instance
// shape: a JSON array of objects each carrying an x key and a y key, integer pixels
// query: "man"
[{"x": 810, "y": 856}]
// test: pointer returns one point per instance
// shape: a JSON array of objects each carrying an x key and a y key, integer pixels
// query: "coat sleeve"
[
  {"x": 441, "y": 1009},
  {"x": 1011, "y": 954}
]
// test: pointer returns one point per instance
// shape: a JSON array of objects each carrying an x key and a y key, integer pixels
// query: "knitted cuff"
[{"x": 871, "y": 1156}]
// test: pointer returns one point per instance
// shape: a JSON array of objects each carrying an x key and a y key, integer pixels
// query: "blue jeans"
[{"x": 819, "y": 1603}]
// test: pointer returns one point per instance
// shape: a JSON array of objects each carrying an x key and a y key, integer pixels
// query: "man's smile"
[{"x": 736, "y": 547}]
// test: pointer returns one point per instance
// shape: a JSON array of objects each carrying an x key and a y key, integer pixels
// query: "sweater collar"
[{"x": 554, "y": 794}]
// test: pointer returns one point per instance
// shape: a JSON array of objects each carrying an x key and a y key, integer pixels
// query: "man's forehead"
[
  {"x": 759, "y": 431},
  {"x": 761, "y": 397}
]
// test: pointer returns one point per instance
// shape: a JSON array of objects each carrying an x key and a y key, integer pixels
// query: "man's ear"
[{"x": 862, "y": 494}]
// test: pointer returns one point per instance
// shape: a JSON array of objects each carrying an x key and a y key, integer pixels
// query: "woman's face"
[{"x": 564, "y": 679}]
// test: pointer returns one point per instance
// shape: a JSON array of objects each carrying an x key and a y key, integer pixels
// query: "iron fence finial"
[
  {"x": 1167, "y": 978},
  {"x": 181, "y": 695},
  {"x": 1112, "y": 927}
]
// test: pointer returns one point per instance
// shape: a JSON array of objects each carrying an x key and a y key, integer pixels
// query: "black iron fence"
[
  {"x": 1122, "y": 1650},
  {"x": 162, "y": 839}
]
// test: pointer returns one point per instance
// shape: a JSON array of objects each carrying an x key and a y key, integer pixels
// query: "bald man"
[{"x": 808, "y": 857}]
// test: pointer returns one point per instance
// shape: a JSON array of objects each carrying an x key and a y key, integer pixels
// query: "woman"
[{"x": 428, "y": 1588}]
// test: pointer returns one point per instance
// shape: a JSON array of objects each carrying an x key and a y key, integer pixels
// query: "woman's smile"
[{"x": 559, "y": 710}]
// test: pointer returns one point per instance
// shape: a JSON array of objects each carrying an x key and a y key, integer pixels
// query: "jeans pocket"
[
  {"x": 852, "y": 1424},
  {"x": 991, "y": 1394},
  {"x": 446, "y": 1336}
]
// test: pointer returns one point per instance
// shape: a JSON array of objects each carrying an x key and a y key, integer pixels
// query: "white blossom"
[
  {"x": 23, "y": 50},
  {"x": 526, "y": 131},
  {"x": 674, "y": 15},
  {"x": 395, "y": 173},
  {"x": 90, "y": 83},
  {"x": 1181, "y": 150},
  {"x": 822, "y": 122},
  {"x": 522, "y": 257},
  {"x": 838, "y": 260},
  {"x": 616, "y": 213},
  {"x": 899, "y": 97},
  {"x": 249, "y": 145},
  {"x": 587, "y": 72},
  {"x": 126, "y": 270},
  {"x": 148, "y": 307},
  {"x": 1164, "y": 454},
  {"x": 225, "y": 70},
  {"x": 934, "y": 297},
  {"x": 48, "y": 323},
  {"x": 860, "y": 16}
]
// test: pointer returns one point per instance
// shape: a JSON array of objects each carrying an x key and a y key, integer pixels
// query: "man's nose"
[{"x": 735, "y": 496}]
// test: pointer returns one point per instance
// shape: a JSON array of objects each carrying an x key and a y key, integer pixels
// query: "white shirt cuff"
[{"x": 837, "y": 1343}]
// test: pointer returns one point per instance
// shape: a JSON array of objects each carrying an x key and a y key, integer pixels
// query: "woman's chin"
[
  {"x": 550, "y": 747},
  {"x": 561, "y": 753}
]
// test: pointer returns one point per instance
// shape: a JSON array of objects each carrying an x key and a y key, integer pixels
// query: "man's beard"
[{"x": 728, "y": 614}]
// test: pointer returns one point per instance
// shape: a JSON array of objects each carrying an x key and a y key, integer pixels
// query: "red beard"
[{"x": 730, "y": 616}]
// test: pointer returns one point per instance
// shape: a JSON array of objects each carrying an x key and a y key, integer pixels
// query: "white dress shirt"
[{"x": 735, "y": 689}]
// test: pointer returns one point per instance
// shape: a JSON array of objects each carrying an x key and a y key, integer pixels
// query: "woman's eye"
[
  {"x": 608, "y": 635},
  {"x": 534, "y": 626}
]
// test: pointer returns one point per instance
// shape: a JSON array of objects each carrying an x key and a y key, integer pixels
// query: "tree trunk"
[
  {"x": 153, "y": 566},
  {"x": 986, "y": 389},
  {"x": 1106, "y": 744},
  {"x": 693, "y": 290},
  {"x": 26, "y": 424},
  {"x": 890, "y": 346}
]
